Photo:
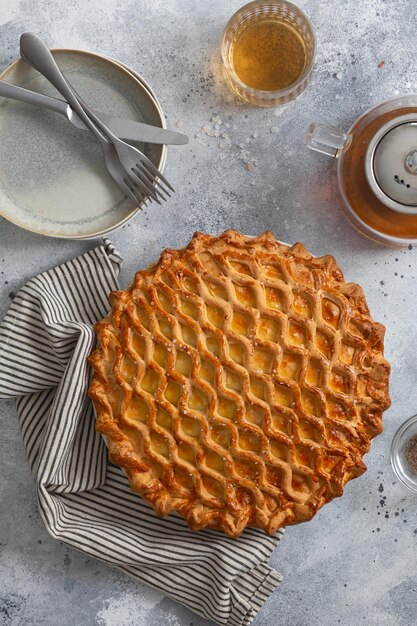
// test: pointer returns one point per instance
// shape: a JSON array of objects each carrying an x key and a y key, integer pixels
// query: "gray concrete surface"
[{"x": 356, "y": 562}]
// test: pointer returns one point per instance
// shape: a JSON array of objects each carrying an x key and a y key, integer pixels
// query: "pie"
[{"x": 239, "y": 381}]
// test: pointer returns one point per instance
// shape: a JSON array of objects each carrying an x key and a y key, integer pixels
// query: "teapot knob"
[{"x": 411, "y": 161}]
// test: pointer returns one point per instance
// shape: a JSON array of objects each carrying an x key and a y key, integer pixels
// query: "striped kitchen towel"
[{"x": 84, "y": 500}]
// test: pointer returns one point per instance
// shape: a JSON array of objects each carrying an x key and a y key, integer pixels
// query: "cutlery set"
[{"x": 132, "y": 170}]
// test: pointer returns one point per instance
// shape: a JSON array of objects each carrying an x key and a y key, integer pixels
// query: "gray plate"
[{"x": 52, "y": 176}]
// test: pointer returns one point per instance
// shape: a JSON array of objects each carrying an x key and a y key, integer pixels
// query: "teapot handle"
[{"x": 327, "y": 139}]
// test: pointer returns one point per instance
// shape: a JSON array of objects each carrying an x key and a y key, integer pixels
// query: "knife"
[{"x": 125, "y": 129}]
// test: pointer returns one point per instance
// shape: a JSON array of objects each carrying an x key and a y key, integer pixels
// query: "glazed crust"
[{"x": 239, "y": 382}]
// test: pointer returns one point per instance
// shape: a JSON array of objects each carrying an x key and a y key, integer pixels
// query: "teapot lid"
[{"x": 391, "y": 164}]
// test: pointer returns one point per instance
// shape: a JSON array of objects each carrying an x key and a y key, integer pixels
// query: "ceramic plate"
[{"x": 53, "y": 180}]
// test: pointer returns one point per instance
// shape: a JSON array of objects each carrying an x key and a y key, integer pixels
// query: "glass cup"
[
  {"x": 274, "y": 10},
  {"x": 399, "y": 463}
]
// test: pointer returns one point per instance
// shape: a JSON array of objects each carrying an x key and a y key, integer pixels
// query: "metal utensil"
[
  {"x": 134, "y": 183},
  {"x": 126, "y": 129}
]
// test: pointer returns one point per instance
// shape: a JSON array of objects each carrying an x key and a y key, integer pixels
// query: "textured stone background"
[{"x": 356, "y": 563}]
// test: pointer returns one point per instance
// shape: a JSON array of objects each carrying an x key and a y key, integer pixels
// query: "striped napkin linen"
[{"x": 84, "y": 500}]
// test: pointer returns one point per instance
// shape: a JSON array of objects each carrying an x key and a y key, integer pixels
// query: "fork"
[
  {"x": 131, "y": 169},
  {"x": 133, "y": 160}
]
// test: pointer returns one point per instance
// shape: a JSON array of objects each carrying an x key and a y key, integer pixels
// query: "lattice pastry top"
[{"x": 239, "y": 382}]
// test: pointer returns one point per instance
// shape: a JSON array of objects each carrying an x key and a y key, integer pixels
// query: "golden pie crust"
[{"x": 239, "y": 382}]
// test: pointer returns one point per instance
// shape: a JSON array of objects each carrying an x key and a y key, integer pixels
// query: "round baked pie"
[{"x": 239, "y": 381}]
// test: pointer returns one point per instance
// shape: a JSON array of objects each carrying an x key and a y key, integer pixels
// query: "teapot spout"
[{"x": 327, "y": 139}]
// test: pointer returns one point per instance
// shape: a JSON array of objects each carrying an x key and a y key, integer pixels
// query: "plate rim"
[{"x": 162, "y": 161}]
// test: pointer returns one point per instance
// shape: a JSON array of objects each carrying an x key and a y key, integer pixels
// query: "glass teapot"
[{"x": 377, "y": 169}]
